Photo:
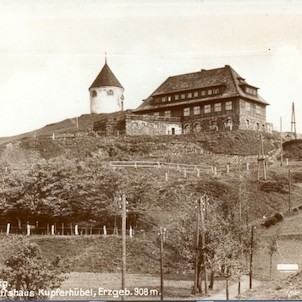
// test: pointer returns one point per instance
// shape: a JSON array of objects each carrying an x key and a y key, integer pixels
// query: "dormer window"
[
  {"x": 110, "y": 92},
  {"x": 93, "y": 93},
  {"x": 216, "y": 90},
  {"x": 251, "y": 90}
]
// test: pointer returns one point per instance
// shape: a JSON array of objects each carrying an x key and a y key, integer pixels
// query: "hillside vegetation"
[{"x": 68, "y": 180}]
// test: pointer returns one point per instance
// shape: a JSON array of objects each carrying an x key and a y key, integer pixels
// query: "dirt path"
[{"x": 233, "y": 289}]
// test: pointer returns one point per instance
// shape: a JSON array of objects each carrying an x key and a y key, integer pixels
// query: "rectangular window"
[
  {"x": 183, "y": 96},
  {"x": 203, "y": 93},
  {"x": 216, "y": 90},
  {"x": 169, "y": 98},
  {"x": 186, "y": 111},
  {"x": 163, "y": 99},
  {"x": 167, "y": 113},
  {"x": 258, "y": 110},
  {"x": 207, "y": 108},
  {"x": 228, "y": 106},
  {"x": 217, "y": 107},
  {"x": 190, "y": 95},
  {"x": 251, "y": 90},
  {"x": 247, "y": 106},
  {"x": 176, "y": 97},
  {"x": 210, "y": 91},
  {"x": 196, "y": 110},
  {"x": 195, "y": 94}
]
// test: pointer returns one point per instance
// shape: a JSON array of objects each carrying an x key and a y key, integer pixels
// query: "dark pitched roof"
[
  {"x": 225, "y": 76},
  {"x": 106, "y": 78}
]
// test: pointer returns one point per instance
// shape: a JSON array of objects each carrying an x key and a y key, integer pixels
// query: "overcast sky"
[{"x": 51, "y": 51}]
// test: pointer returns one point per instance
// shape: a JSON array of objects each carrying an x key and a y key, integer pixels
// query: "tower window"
[
  {"x": 93, "y": 93},
  {"x": 110, "y": 92}
]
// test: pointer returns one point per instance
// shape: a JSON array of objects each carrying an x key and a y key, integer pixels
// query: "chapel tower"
[{"x": 106, "y": 92}]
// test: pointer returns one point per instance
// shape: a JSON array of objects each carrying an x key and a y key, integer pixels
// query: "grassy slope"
[{"x": 83, "y": 254}]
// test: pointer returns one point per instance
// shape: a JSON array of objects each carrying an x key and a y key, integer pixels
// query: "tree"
[{"x": 27, "y": 272}]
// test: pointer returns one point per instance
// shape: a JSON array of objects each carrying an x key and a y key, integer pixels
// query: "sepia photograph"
[{"x": 150, "y": 150}]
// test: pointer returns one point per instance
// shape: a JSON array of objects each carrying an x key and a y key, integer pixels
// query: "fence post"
[
  {"x": 53, "y": 136},
  {"x": 166, "y": 176},
  {"x": 215, "y": 170},
  {"x": 185, "y": 173},
  {"x": 287, "y": 161},
  {"x": 247, "y": 166},
  {"x": 212, "y": 169},
  {"x": 228, "y": 169},
  {"x": 198, "y": 172},
  {"x": 131, "y": 232},
  {"x": 52, "y": 229},
  {"x": 7, "y": 229},
  {"x": 28, "y": 229},
  {"x": 76, "y": 230},
  {"x": 104, "y": 230}
]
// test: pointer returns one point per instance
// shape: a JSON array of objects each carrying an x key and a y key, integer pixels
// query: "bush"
[
  {"x": 295, "y": 210},
  {"x": 270, "y": 221},
  {"x": 26, "y": 270},
  {"x": 300, "y": 207},
  {"x": 278, "y": 216}
]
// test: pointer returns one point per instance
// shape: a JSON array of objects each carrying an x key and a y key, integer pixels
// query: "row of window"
[
  {"x": 250, "y": 90},
  {"x": 197, "y": 109},
  {"x": 248, "y": 108},
  {"x": 189, "y": 95},
  {"x": 94, "y": 93},
  {"x": 207, "y": 108}
]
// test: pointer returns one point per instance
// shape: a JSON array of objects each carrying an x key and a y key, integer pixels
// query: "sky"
[{"x": 51, "y": 52}]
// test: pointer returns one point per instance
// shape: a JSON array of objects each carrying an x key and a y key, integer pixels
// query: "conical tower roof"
[{"x": 106, "y": 78}]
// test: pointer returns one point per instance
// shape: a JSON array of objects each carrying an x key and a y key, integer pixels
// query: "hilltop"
[{"x": 67, "y": 179}]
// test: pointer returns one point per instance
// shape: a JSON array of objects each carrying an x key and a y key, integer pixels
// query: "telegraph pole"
[
  {"x": 289, "y": 190},
  {"x": 251, "y": 255},
  {"x": 239, "y": 188},
  {"x": 261, "y": 159},
  {"x": 123, "y": 242},
  {"x": 162, "y": 238},
  {"x": 281, "y": 145},
  {"x": 196, "y": 270},
  {"x": 203, "y": 202},
  {"x": 293, "y": 121}
]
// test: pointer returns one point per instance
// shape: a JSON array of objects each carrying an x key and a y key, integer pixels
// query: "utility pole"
[
  {"x": 289, "y": 190},
  {"x": 281, "y": 145},
  {"x": 203, "y": 201},
  {"x": 261, "y": 159},
  {"x": 239, "y": 188},
  {"x": 293, "y": 121},
  {"x": 123, "y": 242},
  {"x": 162, "y": 239},
  {"x": 196, "y": 270},
  {"x": 251, "y": 255}
]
